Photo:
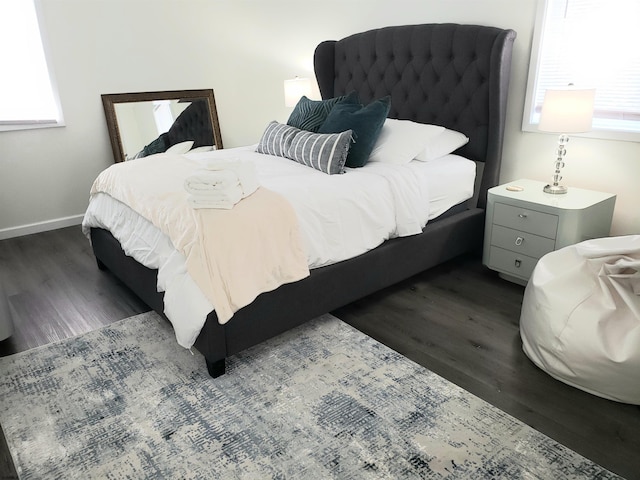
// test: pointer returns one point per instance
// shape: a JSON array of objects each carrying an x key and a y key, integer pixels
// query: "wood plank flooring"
[{"x": 459, "y": 320}]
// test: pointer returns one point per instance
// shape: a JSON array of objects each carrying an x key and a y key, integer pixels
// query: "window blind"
[
  {"x": 26, "y": 92},
  {"x": 591, "y": 43}
]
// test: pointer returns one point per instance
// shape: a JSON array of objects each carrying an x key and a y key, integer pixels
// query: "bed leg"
[
  {"x": 215, "y": 369},
  {"x": 101, "y": 266}
]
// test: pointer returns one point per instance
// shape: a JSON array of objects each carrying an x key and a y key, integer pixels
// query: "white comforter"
[{"x": 340, "y": 216}]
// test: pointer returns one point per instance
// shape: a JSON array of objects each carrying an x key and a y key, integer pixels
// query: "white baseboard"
[{"x": 40, "y": 227}]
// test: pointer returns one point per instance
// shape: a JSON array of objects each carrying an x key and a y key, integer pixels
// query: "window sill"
[
  {"x": 619, "y": 136},
  {"x": 11, "y": 126}
]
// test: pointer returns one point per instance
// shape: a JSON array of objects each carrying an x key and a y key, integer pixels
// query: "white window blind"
[
  {"x": 27, "y": 95},
  {"x": 591, "y": 44}
]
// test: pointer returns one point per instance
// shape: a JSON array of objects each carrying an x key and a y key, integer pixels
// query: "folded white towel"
[
  {"x": 216, "y": 199},
  {"x": 221, "y": 183},
  {"x": 208, "y": 180},
  {"x": 245, "y": 170},
  {"x": 201, "y": 204}
]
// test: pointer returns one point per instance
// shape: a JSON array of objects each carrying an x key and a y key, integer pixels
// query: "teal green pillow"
[
  {"x": 310, "y": 114},
  {"x": 365, "y": 122}
]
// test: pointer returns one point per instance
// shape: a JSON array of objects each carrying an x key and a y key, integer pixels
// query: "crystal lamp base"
[{"x": 555, "y": 189}]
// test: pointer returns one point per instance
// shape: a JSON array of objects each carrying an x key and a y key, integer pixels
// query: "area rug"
[{"x": 322, "y": 401}]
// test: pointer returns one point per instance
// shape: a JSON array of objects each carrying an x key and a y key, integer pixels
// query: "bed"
[{"x": 452, "y": 75}]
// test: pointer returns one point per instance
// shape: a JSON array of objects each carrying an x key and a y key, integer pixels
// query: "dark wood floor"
[{"x": 459, "y": 320}]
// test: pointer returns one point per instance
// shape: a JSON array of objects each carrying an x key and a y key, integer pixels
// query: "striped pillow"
[
  {"x": 324, "y": 152},
  {"x": 276, "y": 139}
]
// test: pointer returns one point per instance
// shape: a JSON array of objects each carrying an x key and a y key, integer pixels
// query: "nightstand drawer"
[
  {"x": 523, "y": 219},
  {"x": 521, "y": 242},
  {"x": 511, "y": 262}
]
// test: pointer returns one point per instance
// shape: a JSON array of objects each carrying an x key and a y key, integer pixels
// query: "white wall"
[{"x": 244, "y": 50}]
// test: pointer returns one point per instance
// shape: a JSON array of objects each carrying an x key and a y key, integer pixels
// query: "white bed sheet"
[{"x": 341, "y": 216}]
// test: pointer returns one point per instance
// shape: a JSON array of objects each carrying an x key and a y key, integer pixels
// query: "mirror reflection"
[{"x": 142, "y": 124}]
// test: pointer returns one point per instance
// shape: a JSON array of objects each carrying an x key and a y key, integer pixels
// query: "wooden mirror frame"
[{"x": 110, "y": 100}]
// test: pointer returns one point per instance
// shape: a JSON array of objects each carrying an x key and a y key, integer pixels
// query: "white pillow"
[
  {"x": 180, "y": 148},
  {"x": 401, "y": 140},
  {"x": 206, "y": 148},
  {"x": 443, "y": 144}
]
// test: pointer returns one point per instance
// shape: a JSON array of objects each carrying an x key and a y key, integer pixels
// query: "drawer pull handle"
[
  {"x": 517, "y": 263},
  {"x": 522, "y": 215},
  {"x": 519, "y": 241}
]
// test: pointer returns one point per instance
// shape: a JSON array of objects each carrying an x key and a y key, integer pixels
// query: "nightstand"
[{"x": 523, "y": 225}]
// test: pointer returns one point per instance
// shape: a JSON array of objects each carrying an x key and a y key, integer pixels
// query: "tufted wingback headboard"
[
  {"x": 194, "y": 123},
  {"x": 452, "y": 75}
]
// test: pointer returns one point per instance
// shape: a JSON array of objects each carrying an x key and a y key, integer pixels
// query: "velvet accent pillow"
[
  {"x": 324, "y": 152},
  {"x": 366, "y": 123},
  {"x": 310, "y": 114},
  {"x": 159, "y": 145}
]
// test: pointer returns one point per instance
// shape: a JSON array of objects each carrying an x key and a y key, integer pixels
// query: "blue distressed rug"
[{"x": 322, "y": 401}]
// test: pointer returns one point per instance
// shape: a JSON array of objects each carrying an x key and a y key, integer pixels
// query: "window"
[
  {"x": 27, "y": 95},
  {"x": 589, "y": 43}
]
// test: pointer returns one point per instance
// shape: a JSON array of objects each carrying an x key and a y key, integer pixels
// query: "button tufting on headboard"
[
  {"x": 194, "y": 123},
  {"x": 452, "y": 75}
]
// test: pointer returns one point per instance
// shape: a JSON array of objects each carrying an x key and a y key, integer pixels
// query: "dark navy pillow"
[
  {"x": 365, "y": 122},
  {"x": 310, "y": 114},
  {"x": 159, "y": 145}
]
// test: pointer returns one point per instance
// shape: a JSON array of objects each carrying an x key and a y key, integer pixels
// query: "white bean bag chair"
[{"x": 580, "y": 319}]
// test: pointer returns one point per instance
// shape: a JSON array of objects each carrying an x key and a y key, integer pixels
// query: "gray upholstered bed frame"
[{"x": 446, "y": 74}]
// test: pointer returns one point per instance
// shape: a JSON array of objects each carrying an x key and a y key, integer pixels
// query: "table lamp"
[
  {"x": 564, "y": 111},
  {"x": 294, "y": 89}
]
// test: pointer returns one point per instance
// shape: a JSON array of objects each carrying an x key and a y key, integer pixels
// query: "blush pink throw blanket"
[{"x": 232, "y": 255}]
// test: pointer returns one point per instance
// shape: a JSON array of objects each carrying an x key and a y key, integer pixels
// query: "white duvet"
[{"x": 340, "y": 216}]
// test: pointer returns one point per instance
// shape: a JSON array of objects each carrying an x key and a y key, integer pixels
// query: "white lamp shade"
[
  {"x": 294, "y": 89},
  {"x": 567, "y": 110}
]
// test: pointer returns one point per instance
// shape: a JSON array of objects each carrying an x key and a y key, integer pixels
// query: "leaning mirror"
[{"x": 145, "y": 123}]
